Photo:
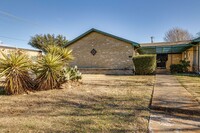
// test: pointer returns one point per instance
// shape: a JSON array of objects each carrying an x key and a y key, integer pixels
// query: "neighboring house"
[
  {"x": 96, "y": 51},
  {"x": 172, "y": 52},
  {"x": 33, "y": 54}
]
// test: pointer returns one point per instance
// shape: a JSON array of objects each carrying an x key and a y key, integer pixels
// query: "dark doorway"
[{"x": 161, "y": 60}]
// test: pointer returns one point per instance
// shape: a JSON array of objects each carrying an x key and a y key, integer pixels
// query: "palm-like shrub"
[
  {"x": 15, "y": 69},
  {"x": 49, "y": 71},
  {"x": 66, "y": 54}
]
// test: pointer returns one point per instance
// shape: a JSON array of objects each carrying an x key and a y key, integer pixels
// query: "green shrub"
[
  {"x": 185, "y": 64},
  {"x": 180, "y": 68},
  {"x": 15, "y": 68},
  {"x": 144, "y": 64},
  {"x": 176, "y": 68}
]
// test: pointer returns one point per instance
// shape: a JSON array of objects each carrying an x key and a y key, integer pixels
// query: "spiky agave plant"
[
  {"x": 66, "y": 54},
  {"x": 49, "y": 71},
  {"x": 15, "y": 69}
]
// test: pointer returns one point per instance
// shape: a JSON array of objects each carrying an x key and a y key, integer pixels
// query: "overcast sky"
[{"x": 136, "y": 20}]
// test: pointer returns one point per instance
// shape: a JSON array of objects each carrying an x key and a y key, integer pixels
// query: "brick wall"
[
  {"x": 173, "y": 59},
  {"x": 110, "y": 52},
  {"x": 189, "y": 54}
]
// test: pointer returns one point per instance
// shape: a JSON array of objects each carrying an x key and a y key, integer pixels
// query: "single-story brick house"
[{"x": 96, "y": 51}]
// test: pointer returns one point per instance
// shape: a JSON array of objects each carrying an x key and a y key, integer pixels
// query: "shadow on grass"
[
  {"x": 187, "y": 74},
  {"x": 97, "y": 106},
  {"x": 112, "y": 113}
]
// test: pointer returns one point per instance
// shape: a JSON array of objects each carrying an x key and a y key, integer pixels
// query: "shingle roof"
[{"x": 104, "y": 33}]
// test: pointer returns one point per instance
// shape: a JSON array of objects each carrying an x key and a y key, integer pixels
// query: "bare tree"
[
  {"x": 197, "y": 35},
  {"x": 177, "y": 34}
]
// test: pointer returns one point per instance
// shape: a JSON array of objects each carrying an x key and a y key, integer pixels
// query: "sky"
[{"x": 136, "y": 20}]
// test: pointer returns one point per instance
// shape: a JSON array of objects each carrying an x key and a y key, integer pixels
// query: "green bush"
[
  {"x": 144, "y": 64},
  {"x": 180, "y": 68},
  {"x": 185, "y": 64},
  {"x": 176, "y": 68}
]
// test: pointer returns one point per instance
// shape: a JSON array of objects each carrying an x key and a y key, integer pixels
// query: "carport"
[{"x": 163, "y": 52}]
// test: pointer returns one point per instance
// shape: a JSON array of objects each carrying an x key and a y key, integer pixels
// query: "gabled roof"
[{"x": 104, "y": 33}]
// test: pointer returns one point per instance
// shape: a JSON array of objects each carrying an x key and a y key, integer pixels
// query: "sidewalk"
[{"x": 173, "y": 107}]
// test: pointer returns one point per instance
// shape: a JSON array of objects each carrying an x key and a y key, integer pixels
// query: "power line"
[
  {"x": 17, "y": 18},
  {"x": 13, "y": 38}
]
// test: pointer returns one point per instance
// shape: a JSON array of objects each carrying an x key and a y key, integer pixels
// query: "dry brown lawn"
[
  {"x": 191, "y": 83},
  {"x": 99, "y": 104}
]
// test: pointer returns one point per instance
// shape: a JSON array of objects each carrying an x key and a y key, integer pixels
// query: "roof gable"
[{"x": 104, "y": 33}]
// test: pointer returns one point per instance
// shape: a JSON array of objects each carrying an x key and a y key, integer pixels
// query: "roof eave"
[{"x": 108, "y": 34}]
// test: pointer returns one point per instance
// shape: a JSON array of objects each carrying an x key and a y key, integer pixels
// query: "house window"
[{"x": 93, "y": 52}]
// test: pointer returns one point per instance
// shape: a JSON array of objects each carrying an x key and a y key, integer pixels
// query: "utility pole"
[{"x": 152, "y": 39}]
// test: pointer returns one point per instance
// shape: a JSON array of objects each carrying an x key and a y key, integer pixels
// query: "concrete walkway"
[{"x": 173, "y": 108}]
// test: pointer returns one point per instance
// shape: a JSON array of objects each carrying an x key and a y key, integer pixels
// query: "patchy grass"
[
  {"x": 191, "y": 83},
  {"x": 99, "y": 104}
]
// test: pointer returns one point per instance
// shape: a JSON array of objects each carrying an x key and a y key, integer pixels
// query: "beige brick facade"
[
  {"x": 111, "y": 53},
  {"x": 190, "y": 54},
  {"x": 173, "y": 59}
]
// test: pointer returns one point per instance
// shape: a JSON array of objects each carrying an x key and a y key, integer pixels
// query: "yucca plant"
[
  {"x": 15, "y": 69},
  {"x": 48, "y": 73},
  {"x": 66, "y": 54}
]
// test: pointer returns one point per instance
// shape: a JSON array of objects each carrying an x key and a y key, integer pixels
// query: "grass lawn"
[
  {"x": 191, "y": 83},
  {"x": 99, "y": 104}
]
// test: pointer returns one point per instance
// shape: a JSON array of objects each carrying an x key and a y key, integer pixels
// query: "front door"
[{"x": 161, "y": 60}]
